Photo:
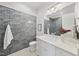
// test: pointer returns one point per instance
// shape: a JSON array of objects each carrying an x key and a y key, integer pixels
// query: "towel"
[{"x": 8, "y": 36}]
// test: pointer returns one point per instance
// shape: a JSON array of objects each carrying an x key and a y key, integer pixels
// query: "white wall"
[
  {"x": 40, "y": 19},
  {"x": 68, "y": 17},
  {"x": 68, "y": 21},
  {"x": 77, "y": 15},
  {"x": 18, "y": 6},
  {"x": 76, "y": 10}
]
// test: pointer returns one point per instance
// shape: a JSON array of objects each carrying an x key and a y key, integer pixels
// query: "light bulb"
[
  {"x": 29, "y": 21},
  {"x": 52, "y": 9}
]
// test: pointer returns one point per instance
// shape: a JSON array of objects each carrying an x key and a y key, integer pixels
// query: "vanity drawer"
[
  {"x": 42, "y": 43},
  {"x": 45, "y": 49},
  {"x": 61, "y": 52}
]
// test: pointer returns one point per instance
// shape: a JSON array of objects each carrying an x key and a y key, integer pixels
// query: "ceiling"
[
  {"x": 27, "y": 6},
  {"x": 37, "y": 5}
]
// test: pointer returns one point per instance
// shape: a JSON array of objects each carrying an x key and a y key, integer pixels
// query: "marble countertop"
[{"x": 56, "y": 41}]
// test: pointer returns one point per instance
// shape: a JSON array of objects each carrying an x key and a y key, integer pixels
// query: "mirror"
[{"x": 62, "y": 22}]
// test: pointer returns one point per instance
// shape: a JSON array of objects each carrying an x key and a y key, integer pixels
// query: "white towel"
[{"x": 8, "y": 36}]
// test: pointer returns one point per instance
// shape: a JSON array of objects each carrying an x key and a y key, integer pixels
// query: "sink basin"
[{"x": 51, "y": 38}]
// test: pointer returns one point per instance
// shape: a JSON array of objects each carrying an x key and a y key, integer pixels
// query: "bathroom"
[
  {"x": 39, "y": 29},
  {"x": 60, "y": 36}
]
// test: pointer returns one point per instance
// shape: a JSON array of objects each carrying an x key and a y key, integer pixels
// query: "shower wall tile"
[{"x": 21, "y": 29}]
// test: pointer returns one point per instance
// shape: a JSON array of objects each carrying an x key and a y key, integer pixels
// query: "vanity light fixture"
[
  {"x": 48, "y": 12},
  {"x": 46, "y": 18},
  {"x": 58, "y": 7},
  {"x": 55, "y": 8},
  {"x": 52, "y": 9},
  {"x": 29, "y": 21}
]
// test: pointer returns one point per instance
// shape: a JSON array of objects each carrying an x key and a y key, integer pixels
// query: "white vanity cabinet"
[
  {"x": 45, "y": 48},
  {"x": 61, "y": 52}
]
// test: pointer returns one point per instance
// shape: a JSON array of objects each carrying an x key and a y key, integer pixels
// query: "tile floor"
[{"x": 24, "y": 52}]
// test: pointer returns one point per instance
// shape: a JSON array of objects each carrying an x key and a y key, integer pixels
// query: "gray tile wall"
[{"x": 23, "y": 31}]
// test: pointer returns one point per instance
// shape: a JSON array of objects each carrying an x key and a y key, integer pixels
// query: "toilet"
[{"x": 32, "y": 46}]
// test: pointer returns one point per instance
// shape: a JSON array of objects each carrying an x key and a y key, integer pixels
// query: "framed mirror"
[{"x": 39, "y": 27}]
